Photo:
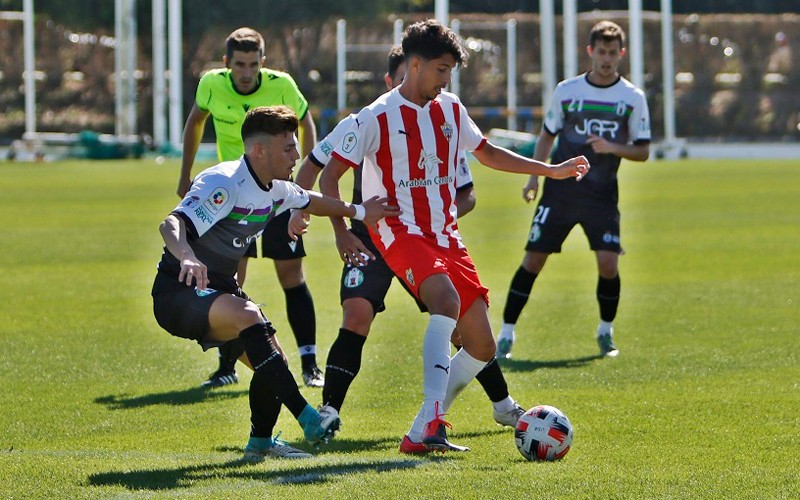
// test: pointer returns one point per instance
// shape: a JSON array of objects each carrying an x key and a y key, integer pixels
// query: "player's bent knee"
[
  {"x": 358, "y": 315},
  {"x": 248, "y": 316}
]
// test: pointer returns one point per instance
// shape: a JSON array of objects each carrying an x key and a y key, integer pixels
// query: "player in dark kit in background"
[
  {"x": 604, "y": 117},
  {"x": 196, "y": 294},
  {"x": 226, "y": 94},
  {"x": 364, "y": 284}
]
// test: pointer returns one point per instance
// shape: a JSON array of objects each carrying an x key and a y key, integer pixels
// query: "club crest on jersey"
[
  {"x": 447, "y": 130},
  {"x": 217, "y": 199},
  {"x": 410, "y": 277},
  {"x": 353, "y": 278}
]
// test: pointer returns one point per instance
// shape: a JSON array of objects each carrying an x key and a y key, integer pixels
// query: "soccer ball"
[{"x": 543, "y": 433}]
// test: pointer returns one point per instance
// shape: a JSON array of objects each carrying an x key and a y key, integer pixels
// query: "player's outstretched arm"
[
  {"x": 193, "y": 272},
  {"x": 306, "y": 178},
  {"x": 371, "y": 211},
  {"x": 541, "y": 152},
  {"x": 351, "y": 249},
  {"x": 504, "y": 160}
]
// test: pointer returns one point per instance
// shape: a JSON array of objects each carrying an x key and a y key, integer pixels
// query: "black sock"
[
  {"x": 303, "y": 320},
  {"x": 229, "y": 353},
  {"x": 257, "y": 341},
  {"x": 518, "y": 293},
  {"x": 264, "y": 405},
  {"x": 493, "y": 382},
  {"x": 344, "y": 362},
  {"x": 608, "y": 297},
  {"x": 308, "y": 361}
]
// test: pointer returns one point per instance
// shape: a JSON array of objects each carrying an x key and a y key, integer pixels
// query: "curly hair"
[{"x": 430, "y": 40}]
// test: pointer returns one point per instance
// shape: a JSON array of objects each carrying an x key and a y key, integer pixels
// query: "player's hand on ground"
[
  {"x": 574, "y": 167},
  {"x": 600, "y": 145},
  {"x": 352, "y": 250},
  {"x": 193, "y": 272},
  {"x": 377, "y": 209},
  {"x": 183, "y": 187},
  {"x": 531, "y": 189},
  {"x": 298, "y": 224}
]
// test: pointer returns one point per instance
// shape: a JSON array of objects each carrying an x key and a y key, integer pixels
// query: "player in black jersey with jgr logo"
[{"x": 604, "y": 117}]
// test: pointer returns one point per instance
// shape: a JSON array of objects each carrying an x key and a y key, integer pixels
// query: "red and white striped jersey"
[{"x": 410, "y": 154}]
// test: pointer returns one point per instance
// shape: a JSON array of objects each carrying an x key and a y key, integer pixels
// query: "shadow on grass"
[
  {"x": 173, "y": 398},
  {"x": 529, "y": 365},
  {"x": 189, "y": 476}
]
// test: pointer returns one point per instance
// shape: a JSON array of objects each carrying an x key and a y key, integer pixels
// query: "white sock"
[
  {"x": 463, "y": 368},
  {"x": 605, "y": 328},
  {"x": 307, "y": 349},
  {"x": 507, "y": 332},
  {"x": 504, "y": 405},
  {"x": 435, "y": 370}
]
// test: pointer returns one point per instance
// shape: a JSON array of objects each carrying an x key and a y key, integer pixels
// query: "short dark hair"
[
  {"x": 244, "y": 40},
  {"x": 271, "y": 120},
  {"x": 607, "y": 31},
  {"x": 430, "y": 40},
  {"x": 396, "y": 58}
]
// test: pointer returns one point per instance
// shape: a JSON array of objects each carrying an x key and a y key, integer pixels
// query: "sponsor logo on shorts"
[
  {"x": 608, "y": 237},
  {"x": 293, "y": 246},
  {"x": 536, "y": 233},
  {"x": 216, "y": 201},
  {"x": 410, "y": 277},
  {"x": 354, "y": 278},
  {"x": 204, "y": 292}
]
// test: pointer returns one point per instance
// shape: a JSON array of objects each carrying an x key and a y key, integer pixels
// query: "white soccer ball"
[{"x": 543, "y": 433}]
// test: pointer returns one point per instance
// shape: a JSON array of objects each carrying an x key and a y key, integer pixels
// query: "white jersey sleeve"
[
  {"x": 463, "y": 173},
  {"x": 639, "y": 121},
  {"x": 293, "y": 196},
  {"x": 471, "y": 137},
  {"x": 554, "y": 118},
  {"x": 361, "y": 139},
  {"x": 323, "y": 151},
  {"x": 209, "y": 200}
]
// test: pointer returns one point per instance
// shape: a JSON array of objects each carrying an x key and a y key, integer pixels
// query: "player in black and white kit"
[
  {"x": 196, "y": 294},
  {"x": 604, "y": 117},
  {"x": 365, "y": 283}
]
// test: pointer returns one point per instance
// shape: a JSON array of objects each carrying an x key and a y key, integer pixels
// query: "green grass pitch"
[{"x": 96, "y": 401}]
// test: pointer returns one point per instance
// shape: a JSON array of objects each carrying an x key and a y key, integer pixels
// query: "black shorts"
[
  {"x": 370, "y": 282},
  {"x": 554, "y": 219},
  {"x": 183, "y": 310},
  {"x": 276, "y": 243}
]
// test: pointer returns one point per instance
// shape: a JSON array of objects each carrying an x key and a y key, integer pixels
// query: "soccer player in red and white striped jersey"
[{"x": 408, "y": 141}]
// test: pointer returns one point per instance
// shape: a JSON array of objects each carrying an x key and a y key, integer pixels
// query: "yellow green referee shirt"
[{"x": 216, "y": 95}]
